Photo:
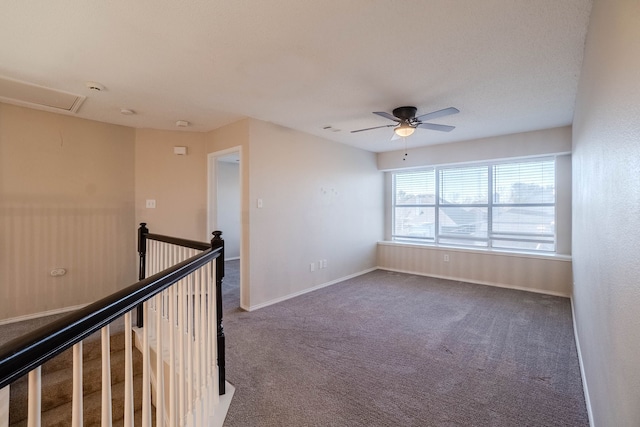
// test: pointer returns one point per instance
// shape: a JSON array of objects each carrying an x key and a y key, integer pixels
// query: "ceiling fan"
[{"x": 407, "y": 122}]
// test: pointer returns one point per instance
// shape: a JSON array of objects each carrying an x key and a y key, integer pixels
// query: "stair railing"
[
  {"x": 181, "y": 313},
  {"x": 186, "y": 304}
]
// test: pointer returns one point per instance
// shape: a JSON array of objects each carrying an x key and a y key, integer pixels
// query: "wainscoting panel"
[
  {"x": 536, "y": 273},
  {"x": 61, "y": 254}
]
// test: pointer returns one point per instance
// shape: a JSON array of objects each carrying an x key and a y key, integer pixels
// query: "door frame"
[{"x": 212, "y": 208}]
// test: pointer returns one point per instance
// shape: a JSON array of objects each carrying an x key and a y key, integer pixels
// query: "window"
[{"x": 501, "y": 205}]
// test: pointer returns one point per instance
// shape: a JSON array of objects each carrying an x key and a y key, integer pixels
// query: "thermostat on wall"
[{"x": 180, "y": 151}]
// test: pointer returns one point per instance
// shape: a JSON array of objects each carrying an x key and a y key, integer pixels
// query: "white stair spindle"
[
  {"x": 128, "y": 372},
  {"x": 35, "y": 398},
  {"x": 172, "y": 356},
  {"x": 159, "y": 364},
  {"x": 190, "y": 340},
  {"x": 203, "y": 340},
  {"x": 196, "y": 348},
  {"x": 146, "y": 367},
  {"x": 78, "y": 395},
  {"x": 106, "y": 419},
  {"x": 214, "y": 332},
  {"x": 209, "y": 310},
  {"x": 207, "y": 342},
  {"x": 4, "y": 406},
  {"x": 159, "y": 257},
  {"x": 165, "y": 262},
  {"x": 152, "y": 254},
  {"x": 211, "y": 328},
  {"x": 181, "y": 350}
]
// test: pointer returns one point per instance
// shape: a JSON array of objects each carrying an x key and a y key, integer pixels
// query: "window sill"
[{"x": 554, "y": 256}]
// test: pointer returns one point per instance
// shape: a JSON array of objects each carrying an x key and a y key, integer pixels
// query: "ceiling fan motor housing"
[{"x": 405, "y": 113}]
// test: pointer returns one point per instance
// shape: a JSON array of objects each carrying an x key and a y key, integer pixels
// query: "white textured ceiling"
[{"x": 508, "y": 65}]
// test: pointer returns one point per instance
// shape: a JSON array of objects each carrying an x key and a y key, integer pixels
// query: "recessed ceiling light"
[
  {"x": 127, "y": 112},
  {"x": 182, "y": 123}
]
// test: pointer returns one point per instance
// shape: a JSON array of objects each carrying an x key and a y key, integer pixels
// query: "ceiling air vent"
[{"x": 34, "y": 96}]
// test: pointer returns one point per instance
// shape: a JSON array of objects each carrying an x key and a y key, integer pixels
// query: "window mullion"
[
  {"x": 393, "y": 204},
  {"x": 490, "y": 206},
  {"x": 436, "y": 231}
]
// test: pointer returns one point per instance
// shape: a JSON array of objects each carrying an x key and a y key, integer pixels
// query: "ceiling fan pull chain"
[{"x": 405, "y": 149}]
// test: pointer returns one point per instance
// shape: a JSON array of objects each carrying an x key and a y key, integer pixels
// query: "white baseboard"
[
  {"x": 41, "y": 314},
  {"x": 305, "y": 291},
  {"x": 220, "y": 412},
  {"x": 480, "y": 282},
  {"x": 585, "y": 388}
]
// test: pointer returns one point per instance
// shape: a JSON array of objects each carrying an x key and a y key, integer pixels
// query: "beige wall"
[
  {"x": 66, "y": 200},
  {"x": 606, "y": 215},
  {"x": 231, "y": 137},
  {"x": 177, "y": 183},
  {"x": 321, "y": 200},
  {"x": 536, "y": 143},
  {"x": 549, "y": 275}
]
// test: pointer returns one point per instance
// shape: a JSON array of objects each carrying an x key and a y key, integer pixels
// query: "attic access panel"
[{"x": 40, "y": 97}]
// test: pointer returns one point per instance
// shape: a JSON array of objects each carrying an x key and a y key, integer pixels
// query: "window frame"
[{"x": 491, "y": 236}]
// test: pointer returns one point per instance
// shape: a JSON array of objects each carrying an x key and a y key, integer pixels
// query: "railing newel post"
[
  {"x": 218, "y": 242},
  {"x": 142, "y": 268}
]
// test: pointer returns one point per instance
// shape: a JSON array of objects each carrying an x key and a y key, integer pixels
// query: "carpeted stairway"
[{"x": 57, "y": 386}]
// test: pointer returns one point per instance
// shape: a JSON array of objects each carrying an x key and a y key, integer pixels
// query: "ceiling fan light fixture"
[{"x": 404, "y": 130}]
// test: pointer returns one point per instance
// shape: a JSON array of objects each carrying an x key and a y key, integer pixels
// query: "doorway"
[{"x": 225, "y": 214}]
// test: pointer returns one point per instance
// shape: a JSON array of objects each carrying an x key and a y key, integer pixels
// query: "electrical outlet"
[
  {"x": 324, "y": 263},
  {"x": 312, "y": 267},
  {"x": 446, "y": 257},
  {"x": 151, "y": 204}
]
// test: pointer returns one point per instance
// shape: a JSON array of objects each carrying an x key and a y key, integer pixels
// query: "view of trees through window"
[{"x": 503, "y": 205}]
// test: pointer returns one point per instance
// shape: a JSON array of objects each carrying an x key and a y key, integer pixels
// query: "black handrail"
[
  {"x": 31, "y": 350},
  {"x": 193, "y": 244}
]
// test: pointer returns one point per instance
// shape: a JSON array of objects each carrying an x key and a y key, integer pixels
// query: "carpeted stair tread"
[
  {"x": 57, "y": 386},
  {"x": 57, "y": 380},
  {"x": 137, "y": 418},
  {"x": 91, "y": 349},
  {"x": 60, "y": 416}
]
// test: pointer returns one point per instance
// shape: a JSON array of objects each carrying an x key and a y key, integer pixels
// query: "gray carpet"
[{"x": 389, "y": 349}]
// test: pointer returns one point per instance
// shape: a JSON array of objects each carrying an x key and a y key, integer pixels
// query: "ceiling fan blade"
[
  {"x": 433, "y": 126},
  {"x": 439, "y": 113},
  {"x": 377, "y": 127},
  {"x": 387, "y": 116}
]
